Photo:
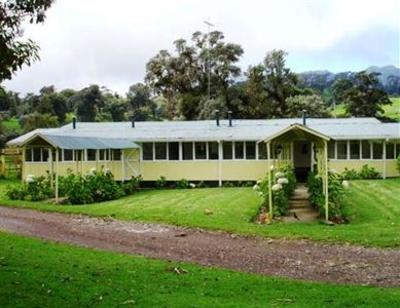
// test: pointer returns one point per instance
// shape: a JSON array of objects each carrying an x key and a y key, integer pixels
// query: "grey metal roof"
[{"x": 339, "y": 128}]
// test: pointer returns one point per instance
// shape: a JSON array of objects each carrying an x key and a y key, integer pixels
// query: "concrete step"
[
  {"x": 301, "y": 211},
  {"x": 299, "y": 204}
]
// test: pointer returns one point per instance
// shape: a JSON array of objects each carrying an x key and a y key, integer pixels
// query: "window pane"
[
  {"x": 147, "y": 151},
  {"x": 200, "y": 150},
  {"x": 262, "y": 151},
  {"x": 342, "y": 150},
  {"x": 354, "y": 150},
  {"x": 377, "y": 150},
  {"x": 366, "y": 149},
  {"x": 161, "y": 150},
  {"x": 250, "y": 150},
  {"x": 173, "y": 151},
  {"x": 331, "y": 149},
  {"x": 45, "y": 154},
  {"x": 102, "y": 155},
  {"x": 397, "y": 150},
  {"x": 68, "y": 155},
  {"x": 28, "y": 155},
  {"x": 116, "y": 155},
  {"x": 227, "y": 150},
  {"x": 213, "y": 150},
  {"x": 78, "y": 155},
  {"x": 91, "y": 155},
  {"x": 36, "y": 154},
  {"x": 389, "y": 150},
  {"x": 239, "y": 150},
  {"x": 187, "y": 148}
]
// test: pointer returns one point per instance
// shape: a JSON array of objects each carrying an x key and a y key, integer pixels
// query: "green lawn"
[
  {"x": 391, "y": 111},
  {"x": 35, "y": 273},
  {"x": 373, "y": 208}
]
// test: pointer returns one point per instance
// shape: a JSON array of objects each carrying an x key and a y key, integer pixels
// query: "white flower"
[
  {"x": 283, "y": 181},
  {"x": 272, "y": 167},
  {"x": 345, "y": 184},
  {"x": 317, "y": 176},
  {"x": 92, "y": 171},
  {"x": 261, "y": 194},
  {"x": 107, "y": 171},
  {"x": 276, "y": 187},
  {"x": 30, "y": 178},
  {"x": 259, "y": 181},
  {"x": 256, "y": 187},
  {"x": 279, "y": 175},
  {"x": 192, "y": 185}
]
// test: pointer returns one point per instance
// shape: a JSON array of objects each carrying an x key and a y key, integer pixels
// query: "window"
[
  {"x": 331, "y": 149},
  {"x": 116, "y": 154},
  {"x": 354, "y": 149},
  {"x": 37, "y": 155},
  {"x": 213, "y": 150},
  {"x": 365, "y": 149},
  {"x": 173, "y": 150},
  {"x": 390, "y": 150},
  {"x": 397, "y": 150},
  {"x": 187, "y": 150},
  {"x": 262, "y": 151},
  {"x": 200, "y": 150},
  {"x": 147, "y": 151},
  {"x": 91, "y": 155},
  {"x": 103, "y": 154},
  {"x": 28, "y": 154},
  {"x": 341, "y": 149},
  {"x": 250, "y": 150},
  {"x": 79, "y": 155},
  {"x": 377, "y": 150},
  {"x": 227, "y": 150},
  {"x": 68, "y": 155},
  {"x": 161, "y": 150},
  {"x": 239, "y": 150},
  {"x": 45, "y": 154}
]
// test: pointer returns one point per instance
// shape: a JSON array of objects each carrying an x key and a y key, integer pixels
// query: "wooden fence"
[{"x": 11, "y": 162}]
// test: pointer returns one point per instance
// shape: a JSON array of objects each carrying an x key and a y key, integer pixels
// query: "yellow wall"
[{"x": 391, "y": 166}]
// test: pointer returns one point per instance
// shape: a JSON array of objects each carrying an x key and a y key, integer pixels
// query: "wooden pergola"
[{"x": 280, "y": 151}]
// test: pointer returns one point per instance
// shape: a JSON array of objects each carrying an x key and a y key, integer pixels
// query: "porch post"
[
  {"x": 326, "y": 180},
  {"x": 57, "y": 159},
  {"x": 269, "y": 179},
  {"x": 219, "y": 163},
  {"x": 123, "y": 165},
  {"x": 384, "y": 159},
  {"x": 51, "y": 167}
]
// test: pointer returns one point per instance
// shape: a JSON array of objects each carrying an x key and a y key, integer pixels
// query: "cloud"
[{"x": 109, "y": 42}]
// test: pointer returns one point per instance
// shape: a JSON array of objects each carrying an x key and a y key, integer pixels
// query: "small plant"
[
  {"x": 33, "y": 189},
  {"x": 367, "y": 172},
  {"x": 161, "y": 182},
  {"x": 182, "y": 183},
  {"x": 228, "y": 184},
  {"x": 398, "y": 162},
  {"x": 131, "y": 186},
  {"x": 350, "y": 174},
  {"x": 201, "y": 184},
  {"x": 248, "y": 184}
]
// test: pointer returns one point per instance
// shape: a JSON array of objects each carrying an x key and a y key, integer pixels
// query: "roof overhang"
[{"x": 296, "y": 131}]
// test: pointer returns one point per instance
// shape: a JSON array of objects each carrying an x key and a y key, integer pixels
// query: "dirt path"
[{"x": 288, "y": 258}]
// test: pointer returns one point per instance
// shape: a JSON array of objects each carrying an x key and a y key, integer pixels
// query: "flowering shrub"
[
  {"x": 131, "y": 186},
  {"x": 365, "y": 173},
  {"x": 335, "y": 194},
  {"x": 33, "y": 189},
  {"x": 283, "y": 186}
]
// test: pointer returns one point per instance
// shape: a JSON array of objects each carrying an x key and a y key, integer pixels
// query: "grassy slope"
[
  {"x": 35, "y": 273},
  {"x": 372, "y": 206},
  {"x": 12, "y": 125},
  {"x": 391, "y": 111}
]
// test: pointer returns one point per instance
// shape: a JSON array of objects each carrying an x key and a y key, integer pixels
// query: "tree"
[
  {"x": 88, "y": 102},
  {"x": 314, "y": 106},
  {"x": 365, "y": 97},
  {"x": 115, "y": 106},
  {"x": 339, "y": 89},
  {"x": 140, "y": 102},
  {"x": 14, "y": 52},
  {"x": 184, "y": 74},
  {"x": 35, "y": 120}
]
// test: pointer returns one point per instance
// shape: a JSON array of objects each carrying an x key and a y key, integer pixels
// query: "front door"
[{"x": 302, "y": 159}]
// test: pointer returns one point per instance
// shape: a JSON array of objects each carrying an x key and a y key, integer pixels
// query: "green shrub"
[
  {"x": 350, "y": 174},
  {"x": 248, "y": 184},
  {"x": 283, "y": 186},
  {"x": 131, "y": 186},
  {"x": 182, "y": 183},
  {"x": 335, "y": 194},
  {"x": 161, "y": 182},
  {"x": 367, "y": 172},
  {"x": 33, "y": 189},
  {"x": 228, "y": 184},
  {"x": 201, "y": 184},
  {"x": 398, "y": 162}
]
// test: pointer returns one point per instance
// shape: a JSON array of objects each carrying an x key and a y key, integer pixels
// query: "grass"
[
  {"x": 36, "y": 273},
  {"x": 373, "y": 207},
  {"x": 390, "y": 111}
]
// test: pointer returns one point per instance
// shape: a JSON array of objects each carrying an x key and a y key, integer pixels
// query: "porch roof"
[
  {"x": 297, "y": 131},
  {"x": 82, "y": 143}
]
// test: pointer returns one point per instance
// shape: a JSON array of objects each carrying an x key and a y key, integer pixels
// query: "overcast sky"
[{"x": 109, "y": 42}]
